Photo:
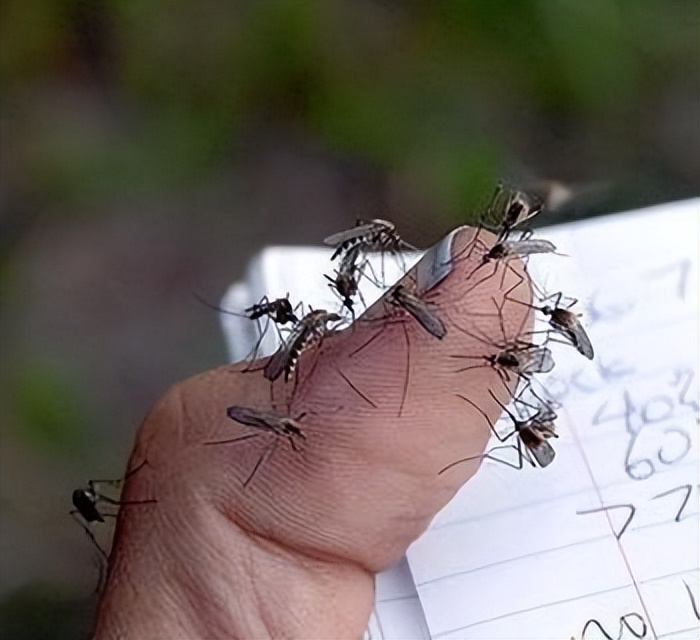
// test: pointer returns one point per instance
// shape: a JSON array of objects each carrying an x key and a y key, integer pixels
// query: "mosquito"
[
  {"x": 532, "y": 434},
  {"x": 372, "y": 235},
  {"x": 518, "y": 248},
  {"x": 565, "y": 322},
  {"x": 279, "y": 310},
  {"x": 264, "y": 422},
  {"x": 346, "y": 281},
  {"x": 307, "y": 333},
  {"x": 511, "y": 208},
  {"x": 403, "y": 300},
  {"x": 507, "y": 209},
  {"x": 513, "y": 355},
  {"x": 86, "y": 500},
  {"x": 421, "y": 310},
  {"x": 506, "y": 250},
  {"x": 521, "y": 359},
  {"x": 368, "y": 236}
]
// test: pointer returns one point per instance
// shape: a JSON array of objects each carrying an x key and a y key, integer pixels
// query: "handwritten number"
[
  {"x": 631, "y": 507},
  {"x": 684, "y": 378},
  {"x": 657, "y": 409},
  {"x": 687, "y": 488},
  {"x": 683, "y": 269},
  {"x": 687, "y": 444},
  {"x": 625, "y": 623},
  {"x": 693, "y": 601},
  {"x": 600, "y": 416},
  {"x": 591, "y": 622}
]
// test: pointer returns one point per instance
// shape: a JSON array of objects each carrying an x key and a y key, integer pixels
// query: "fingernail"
[{"x": 436, "y": 264}]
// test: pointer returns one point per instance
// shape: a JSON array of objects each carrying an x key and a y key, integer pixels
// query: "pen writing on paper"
[
  {"x": 674, "y": 515},
  {"x": 672, "y": 444},
  {"x": 631, "y": 625},
  {"x": 610, "y": 303},
  {"x": 632, "y": 622}
]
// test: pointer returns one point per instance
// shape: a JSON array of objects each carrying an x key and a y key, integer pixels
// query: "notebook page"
[
  {"x": 298, "y": 271},
  {"x": 605, "y": 539}
]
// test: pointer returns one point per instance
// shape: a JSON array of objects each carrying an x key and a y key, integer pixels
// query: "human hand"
[{"x": 294, "y": 553}]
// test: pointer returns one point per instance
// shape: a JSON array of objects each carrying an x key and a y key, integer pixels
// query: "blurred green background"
[{"x": 150, "y": 147}]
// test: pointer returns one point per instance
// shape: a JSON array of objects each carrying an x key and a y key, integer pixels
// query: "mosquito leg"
[
  {"x": 233, "y": 440},
  {"x": 119, "y": 481},
  {"x": 374, "y": 280},
  {"x": 253, "y": 354},
  {"x": 89, "y": 533},
  {"x": 460, "y": 461},
  {"x": 469, "y": 249},
  {"x": 135, "y": 470},
  {"x": 505, "y": 408},
  {"x": 262, "y": 459},
  {"x": 485, "y": 278},
  {"x": 508, "y": 268},
  {"x": 474, "y": 366},
  {"x": 517, "y": 447},
  {"x": 362, "y": 300},
  {"x": 119, "y": 503},
  {"x": 355, "y": 389},
  {"x": 483, "y": 413},
  {"x": 408, "y": 369},
  {"x": 366, "y": 344}
]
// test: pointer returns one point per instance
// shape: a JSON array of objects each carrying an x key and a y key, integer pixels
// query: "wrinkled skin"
[{"x": 294, "y": 553}]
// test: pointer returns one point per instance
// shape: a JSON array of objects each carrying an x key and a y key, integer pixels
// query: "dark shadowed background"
[{"x": 150, "y": 148}]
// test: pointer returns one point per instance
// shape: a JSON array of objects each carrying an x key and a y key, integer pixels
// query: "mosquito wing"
[
  {"x": 528, "y": 247},
  {"x": 520, "y": 208},
  {"x": 509, "y": 208},
  {"x": 425, "y": 316},
  {"x": 567, "y": 324},
  {"x": 277, "y": 363},
  {"x": 251, "y": 417},
  {"x": 356, "y": 233},
  {"x": 543, "y": 453},
  {"x": 535, "y": 360},
  {"x": 581, "y": 340},
  {"x": 430, "y": 321}
]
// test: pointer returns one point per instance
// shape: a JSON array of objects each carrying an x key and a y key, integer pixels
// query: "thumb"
[{"x": 383, "y": 412}]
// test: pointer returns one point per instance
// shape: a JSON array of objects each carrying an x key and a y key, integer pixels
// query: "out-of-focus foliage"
[{"x": 434, "y": 89}]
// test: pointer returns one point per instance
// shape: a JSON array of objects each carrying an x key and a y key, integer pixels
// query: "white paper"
[{"x": 538, "y": 553}]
